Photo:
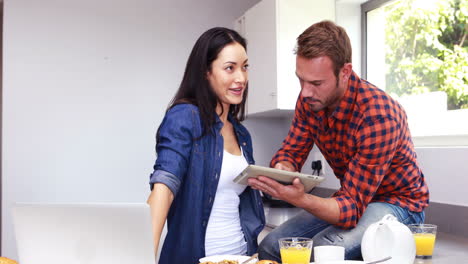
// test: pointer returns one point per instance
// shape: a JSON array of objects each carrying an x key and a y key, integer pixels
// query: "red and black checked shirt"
[{"x": 367, "y": 143}]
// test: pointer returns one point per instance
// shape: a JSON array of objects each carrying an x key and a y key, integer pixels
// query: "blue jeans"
[{"x": 306, "y": 225}]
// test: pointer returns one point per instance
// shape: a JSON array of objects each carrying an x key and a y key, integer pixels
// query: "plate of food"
[
  {"x": 233, "y": 259},
  {"x": 226, "y": 259}
]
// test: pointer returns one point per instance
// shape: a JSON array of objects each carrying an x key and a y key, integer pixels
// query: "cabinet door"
[
  {"x": 293, "y": 17},
  {"x": 271, "y": 28},
  {"x": 260, "y": 32}
]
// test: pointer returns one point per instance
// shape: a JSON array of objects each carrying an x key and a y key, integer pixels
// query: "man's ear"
[{"x": 346, "y": 71}]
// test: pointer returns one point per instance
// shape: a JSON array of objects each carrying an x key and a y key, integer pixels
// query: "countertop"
[{"x": 449, "y": 248}]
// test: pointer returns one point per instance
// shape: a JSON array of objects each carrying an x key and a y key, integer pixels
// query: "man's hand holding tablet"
[{"x": 281, "y": 182}]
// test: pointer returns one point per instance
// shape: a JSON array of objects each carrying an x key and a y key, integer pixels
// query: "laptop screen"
[{"x": 83, "y": 233}]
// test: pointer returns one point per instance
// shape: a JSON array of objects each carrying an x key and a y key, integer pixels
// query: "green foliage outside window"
[{"x": 427, "y": 48}]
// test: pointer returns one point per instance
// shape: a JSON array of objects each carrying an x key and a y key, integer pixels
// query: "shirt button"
[
  {"x": 204, "y": 223},
  {"x": 244, "y": 143},
  {"x": 210, "y": 200},
  {"x": 219, "y": 153},
  {"x": 216, "y": 176}
]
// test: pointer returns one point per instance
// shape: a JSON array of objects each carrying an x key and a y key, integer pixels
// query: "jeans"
[{"x": 307, "y": 225}]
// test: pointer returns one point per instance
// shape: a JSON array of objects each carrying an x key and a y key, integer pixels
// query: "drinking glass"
[
  {"x": 424, "y": 237},
  {"x": 295, "y": 250}
]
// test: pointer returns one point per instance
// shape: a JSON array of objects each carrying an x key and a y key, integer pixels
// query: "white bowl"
[{"x": 218, "y": 258}]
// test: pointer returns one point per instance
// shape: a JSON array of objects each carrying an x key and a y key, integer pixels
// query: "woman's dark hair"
[{"x": 195, "y": 87}]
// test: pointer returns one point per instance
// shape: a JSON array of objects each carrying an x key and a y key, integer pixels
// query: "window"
[{"x": 417, "y": 51}]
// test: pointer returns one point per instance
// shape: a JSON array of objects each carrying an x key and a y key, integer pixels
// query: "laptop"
[{"x": 108, "y": 233}]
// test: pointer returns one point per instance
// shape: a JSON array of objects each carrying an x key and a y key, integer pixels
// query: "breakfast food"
[
  {"x": 4, "y": 260},
  {"x": 265, "y": 261},
  {"x": 221, "y": 262},
  {"x": 236, "y": 262}
]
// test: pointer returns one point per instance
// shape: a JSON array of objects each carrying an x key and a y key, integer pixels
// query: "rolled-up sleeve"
[{"x": 173, "y": 148}]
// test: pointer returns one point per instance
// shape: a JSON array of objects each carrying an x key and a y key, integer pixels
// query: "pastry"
[
  {"x": 4, "y": 260},
  {"x": 266, "y": 261}
]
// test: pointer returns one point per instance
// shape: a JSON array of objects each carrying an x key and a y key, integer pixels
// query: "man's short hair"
[{"x": 325, "y": 38}]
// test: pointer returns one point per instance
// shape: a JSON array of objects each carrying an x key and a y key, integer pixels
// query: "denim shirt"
[{"x": 190, "y": 165}]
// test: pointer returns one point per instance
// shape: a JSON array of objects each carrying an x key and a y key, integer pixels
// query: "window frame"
[
  {"x": 366, "y": 7},
  {"x": 419, "y": 141}
]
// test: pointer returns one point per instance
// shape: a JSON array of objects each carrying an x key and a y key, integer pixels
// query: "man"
[{"x": 362, "y": 133}]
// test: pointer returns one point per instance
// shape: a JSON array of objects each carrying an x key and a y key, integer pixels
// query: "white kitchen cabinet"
[{"x": 271, "y": 28}]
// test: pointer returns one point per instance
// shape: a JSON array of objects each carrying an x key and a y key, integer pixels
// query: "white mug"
[{"x": 323, "y": 254}]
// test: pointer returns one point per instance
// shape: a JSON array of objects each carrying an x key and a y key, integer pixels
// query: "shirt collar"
[{"x": 349, "y": 98}]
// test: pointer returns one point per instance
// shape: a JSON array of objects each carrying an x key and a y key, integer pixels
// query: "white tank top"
[{"x": 224, "y": 233}]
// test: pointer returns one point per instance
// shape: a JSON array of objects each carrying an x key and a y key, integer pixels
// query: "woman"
[{"x": 201, "y": 146}]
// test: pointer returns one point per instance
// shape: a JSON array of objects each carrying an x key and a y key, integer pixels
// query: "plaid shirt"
[{"x": 367, "y": 143}]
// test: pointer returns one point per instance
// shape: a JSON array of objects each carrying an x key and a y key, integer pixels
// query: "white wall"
[
  {"x": 267, "y": 135},
  {"x": 86, "y": 84},
  {"x": 348, "y": 15},
  {"x": 445, "y": 169}
]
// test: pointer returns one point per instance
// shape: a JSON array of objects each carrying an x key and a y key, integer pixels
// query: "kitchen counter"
[{"x": 449, "y": 248}]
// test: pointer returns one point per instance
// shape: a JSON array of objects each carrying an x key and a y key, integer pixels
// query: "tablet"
[{"x": 281, "y": 176}]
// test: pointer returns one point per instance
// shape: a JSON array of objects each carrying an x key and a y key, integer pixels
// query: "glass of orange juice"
[
  {"x": 295, "y": 250},
  {"x": 424, "y": 237}
]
